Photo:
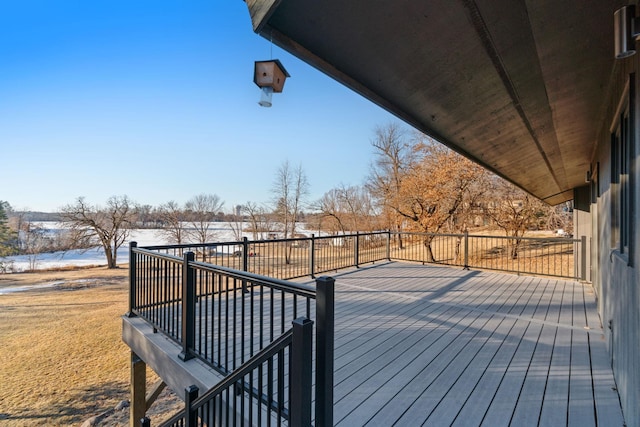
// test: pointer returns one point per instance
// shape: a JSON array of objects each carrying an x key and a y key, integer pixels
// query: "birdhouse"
[
  {"x": 270, "y": 74},
  {"x": 270, "y": 77}
]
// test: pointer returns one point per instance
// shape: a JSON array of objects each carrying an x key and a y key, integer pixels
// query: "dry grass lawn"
[{"x": 62, "y": 359}]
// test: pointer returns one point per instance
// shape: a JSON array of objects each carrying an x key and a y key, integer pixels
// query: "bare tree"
[
  {"x": 172, "y": 218},
  {"x": 515, "y": 211},
  {"x": 329, "y": 207},
  {"x": 33, "y": 242},
  {"x": 200, "y": 212},
  {"x": 236, "y": 222},
  {"x": 348, "y": 208},
  {"x": 260, "y": 223},
  {"x": 560, "y": 217},
  {"x": 108, "y": 226},
  {"x": 393, "y": 155},
  {"x": 437, "y": 188},
  {"x": 427, "y": 186},
  {"x": 289, "y": 191}
]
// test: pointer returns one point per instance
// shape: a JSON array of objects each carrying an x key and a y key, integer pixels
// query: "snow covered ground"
[
  {"x": 76, "y": 257},
  {"x": 144, "y": 237}
]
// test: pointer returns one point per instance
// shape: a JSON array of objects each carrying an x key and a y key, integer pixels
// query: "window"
[{"x": 622, "y": 144}]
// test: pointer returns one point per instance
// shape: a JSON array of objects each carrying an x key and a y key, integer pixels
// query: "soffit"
[{"x": 517, "y": 86}]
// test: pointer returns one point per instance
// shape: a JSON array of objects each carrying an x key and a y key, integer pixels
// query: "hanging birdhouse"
[
  {"x": 270, "y": 74},
  {"x": 270, "y": 77}
]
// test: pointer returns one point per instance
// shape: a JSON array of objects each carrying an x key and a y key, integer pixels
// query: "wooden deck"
[{"x": 428, "y": 345}]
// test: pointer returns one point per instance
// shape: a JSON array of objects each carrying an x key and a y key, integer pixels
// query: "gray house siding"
[{"x": 616, "y": 278}]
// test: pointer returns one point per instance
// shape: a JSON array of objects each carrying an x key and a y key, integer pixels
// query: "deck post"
[
  {"x": 388, "y": 245},
  {"x": 132, "y": 279},
  {"x": 301, "y": 359},
  {"x": 188, "y": 307},
  {"x": 245, "y": 254},
  {"x": 312, "y": 256},
  {"x": 325, "y": 305},
  {"x": 466, "y": 250},
  {"x": 138, "y": 407},
  {"x": 245, "y": 261},
  {"x": 190, "y": 416},
  {"x": 583, "y": 261},
  {"x": 356, "y": 250}
]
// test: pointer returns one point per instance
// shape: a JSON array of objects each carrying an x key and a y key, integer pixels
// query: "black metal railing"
[
  {"x": 546, "y": 256},
  {"x": 287, "y": 259},
  {"x": 226, "y": 317},
  {"x": 272, "y": 385}
]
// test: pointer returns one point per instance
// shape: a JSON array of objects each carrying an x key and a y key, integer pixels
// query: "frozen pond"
[{"x": 223, "y": 232}]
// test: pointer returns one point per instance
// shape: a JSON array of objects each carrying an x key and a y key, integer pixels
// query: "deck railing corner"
[
  {"x": 188, "y": 307},
  {"x": 325, "y": 309}
]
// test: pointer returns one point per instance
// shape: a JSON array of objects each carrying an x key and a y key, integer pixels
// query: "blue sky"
[{"x": 156, "y": 100}]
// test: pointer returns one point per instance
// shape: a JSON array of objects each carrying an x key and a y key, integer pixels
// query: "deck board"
[
  {"x": 466, "y": 385},
  {"x": 429, "y": 345},
  {"x": 424, "y": 390},
  {"x": 445, "y": 392}
]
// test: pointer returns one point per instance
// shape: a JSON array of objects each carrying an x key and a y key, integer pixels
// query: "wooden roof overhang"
[{"x": 518, "y": 86}]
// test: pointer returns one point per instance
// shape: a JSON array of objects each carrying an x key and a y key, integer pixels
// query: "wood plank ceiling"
[{"x": 517, "y": 85}]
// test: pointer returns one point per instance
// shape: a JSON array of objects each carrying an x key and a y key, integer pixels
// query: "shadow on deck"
[{"x": 428, "y": 345}]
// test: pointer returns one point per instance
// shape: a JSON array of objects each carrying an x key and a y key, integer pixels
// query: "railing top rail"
[
  {"x": 294, "y": 239},
  {"x": 283, "y": 285},
  {"x": 356, "y": 234},
  {"x": 484, "y": 236},
  {"x": 191, "y": 245},
  {"x": 155, "y": 254},
  {"x": 288, "y": 239},
  {"x": 262, "y": 241},
  {"x": 538, "y": 239},
  {"x": 422, "y": 233}
]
